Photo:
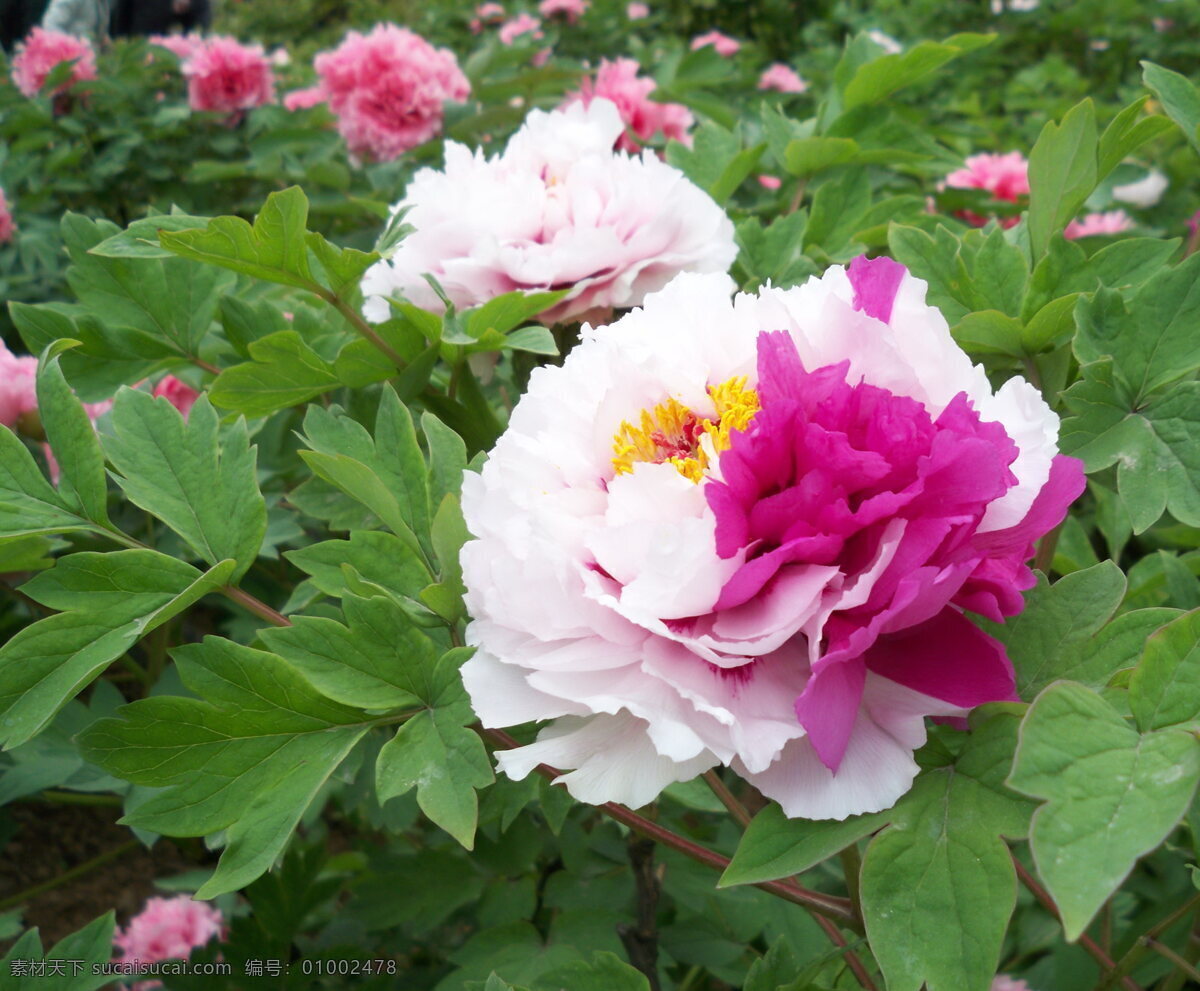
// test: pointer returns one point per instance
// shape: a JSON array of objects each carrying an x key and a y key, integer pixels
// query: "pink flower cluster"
[
  {"x": 725, "y": 45},
  {"x": 228, "y": 77},
  {"x": 782, "y": 78},
  {"x": 38, "y": 55},
  {"x": 1006, "y": 177},
  {"x": 572, "y": 10},
  {"x": 166, "y": 929},
  {"x": 521, "y": 24},
  {"x": 18, "y": 393},
  {"x": 6, "y": 221},
  {"x": 485, "y": 14},
  {"x": 1111, "y": 222},
  {"x": 387, "y": 89},
  {"x": 619, "y": 81}
]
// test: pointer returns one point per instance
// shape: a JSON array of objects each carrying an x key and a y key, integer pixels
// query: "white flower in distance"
[
  {"x": 744, "y": 532},
  {"x": 557, "y": 209}
]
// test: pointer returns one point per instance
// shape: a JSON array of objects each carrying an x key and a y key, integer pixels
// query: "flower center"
[{"x": 672, "y": 433}]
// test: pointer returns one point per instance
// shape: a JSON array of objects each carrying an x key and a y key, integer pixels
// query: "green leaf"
[
  {"x": 29, "y": 505},
  {"x": 203, "y": 486},
  {"x": 377, "y": 661},
  {"x": 274, "y": 249},
  {"x": 989, "y": 332},
  {"x": 91, "y": 945},
  {"x": 882, "y": 77},
  {"x": 934, "y": 259},
  {"x": 1155, "y": 445},
  {"x": 283, "y": 371},
  {"x": 247, "y": 756},
  {"x": 73, "y": 440},
  {"x": 775, "y": 846},
  {"x": 508, "y": 311},
  {"x": 806, "y": 156},
  {"x": 140, "y": 239},
  {"x": 938, "y": 884},
  {"x": 838, "y": 207},
  {"x": 112, "y": 600},
  {"x": 1128, "y": 262},
  {"x": 375, "y": 556},
  {"x": 1111, "y": 794},
  {"x": 1062, "y": 173},
  {"x": 1051, "y": 325},
  {"x": 534, "y": 339},
  {"x": 445, "y": 762},
  {"x": 1127, "y": 132},
  {"x": 775, "y": 252},
  {"x": 604, "y": 972},
  {"x": 1180, "y": 99},
  {"x": 447, "y": 458},
  {"x": 1165, "y": 688},
  {"x": 449, "y": 534},
  {"x": 1000, "y": 274},
  {"x": 165, "y": 305}
]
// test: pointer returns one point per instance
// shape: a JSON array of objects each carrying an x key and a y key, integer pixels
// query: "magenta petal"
[
  {"x": 948, "y": 658},
  {"x": 828, "y": 707},
  {"x": 876, "y": 282},
  {"x": 1065, "y": 484}
]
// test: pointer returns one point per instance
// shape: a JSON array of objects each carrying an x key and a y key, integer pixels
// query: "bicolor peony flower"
[
  {"x": 18, "y": 386},
  {"x": 747, "y": 532},
  {"x": 1111, "y": 222},
  {"x": 228, "y": 77},
  {"x": 42, "y": 51},
  {"x": 166, "y": 929},
  {"x": 557, "y": 209},
  {"x": 7, "y": 226},
  {"x": 619, "y": 82},
  {"x": 724, "y": 45},
  {"x": 572, "y": 10},
  {"x": 388, "y": 88},
  {"x": 1006, "y": 177},
  {"x": 782, "y": 78},
  {"x": 178, "y": 393},
  {"x": 520, "y": 25}
]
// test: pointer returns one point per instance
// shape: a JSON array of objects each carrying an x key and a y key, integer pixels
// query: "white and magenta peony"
[
  {"x": 644, "y": 118},
  {"x": 166, "y": 929},
  {"x": 747, "y": 532},
  {"x": 782, "y": 79},
  {"x": 722, "y": 44},
  {"x": 1092, "y": 224},
  {"x": 388, "y": 89},
  {"x": 228, "y": 77},
  {"x": 1006, "y": 177},
  {"x": 7, "y": 226},
  {"x": 42, "y": 51},
  {"x": 557, "y": 209}
]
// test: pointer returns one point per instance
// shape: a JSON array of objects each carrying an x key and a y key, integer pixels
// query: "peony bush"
[{"x": 603, "y": 496}]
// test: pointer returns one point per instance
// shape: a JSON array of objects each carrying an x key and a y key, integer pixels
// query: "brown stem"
[
  {"x": 852, "y": 961},
  {"x": 256, "y": 606},
  {"x": 1045, "y": 550},
  {"x": 1180, "y": 963},
  {"x": 1043, "y": 896},
  {"x": 207, "y": 366},
  {"x": 838, "y": 909},
  {"x": 641, "y": 941},
  {"x": 1139, "y": 948},
  {"x": 364, "y": 328},
  {"x": 726, "y": 797}
]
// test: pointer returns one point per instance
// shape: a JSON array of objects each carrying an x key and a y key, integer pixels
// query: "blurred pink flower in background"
[
  {"x": 771, "y": 182},
  {"x": 486, "y": 13},
  {"x": 637, "y": 11},
  {"x": 782, "y": 78},
  {"x": 1005, "y": 983},
  {"x": 35, "y": 58},
  {"x": 1006, "y": 177},
  {"x": 725, "y": 45},
  {"x": 387, "y": 89},
  {"x": 18, "y": 388},
  {"x": 302, "y": 99},
  {"x": 6, "y": 221},
  {"x": 183, "y": 46},
  {"x": 619, "y": 81},
  {"x": 521, "y": 24},
  {"x": 166, "y": 929},
  {"x": 178, "y": 393},
  {"x": 226, "y": 76},
  {"x": 1111, "y": 222},
  {"x": 572, "y": 10}
]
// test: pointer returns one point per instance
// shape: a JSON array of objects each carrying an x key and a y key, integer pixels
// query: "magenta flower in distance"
[
  {"x": 388, "y": 88},
  {"x": 1006, "y": 177},
  {"x": 1110, "y": 222},
  {"x": 782, "y": 78},
  {"x": 18, "y": 386},
  {"x": 228, "y": 77},
  {"x": 178, "y": 393},
  {"x": 38, "y": 55},
  {"x": 724, "y": 45},
  {"x": 619, "y": 82},
  {"x": 747, "y": 532},
  {"x": 166, "y": 929},
  {"x": 6, "y": 221}
]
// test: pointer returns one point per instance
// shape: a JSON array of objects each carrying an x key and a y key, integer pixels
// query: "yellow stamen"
[{"x": 671, "y": 433}]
